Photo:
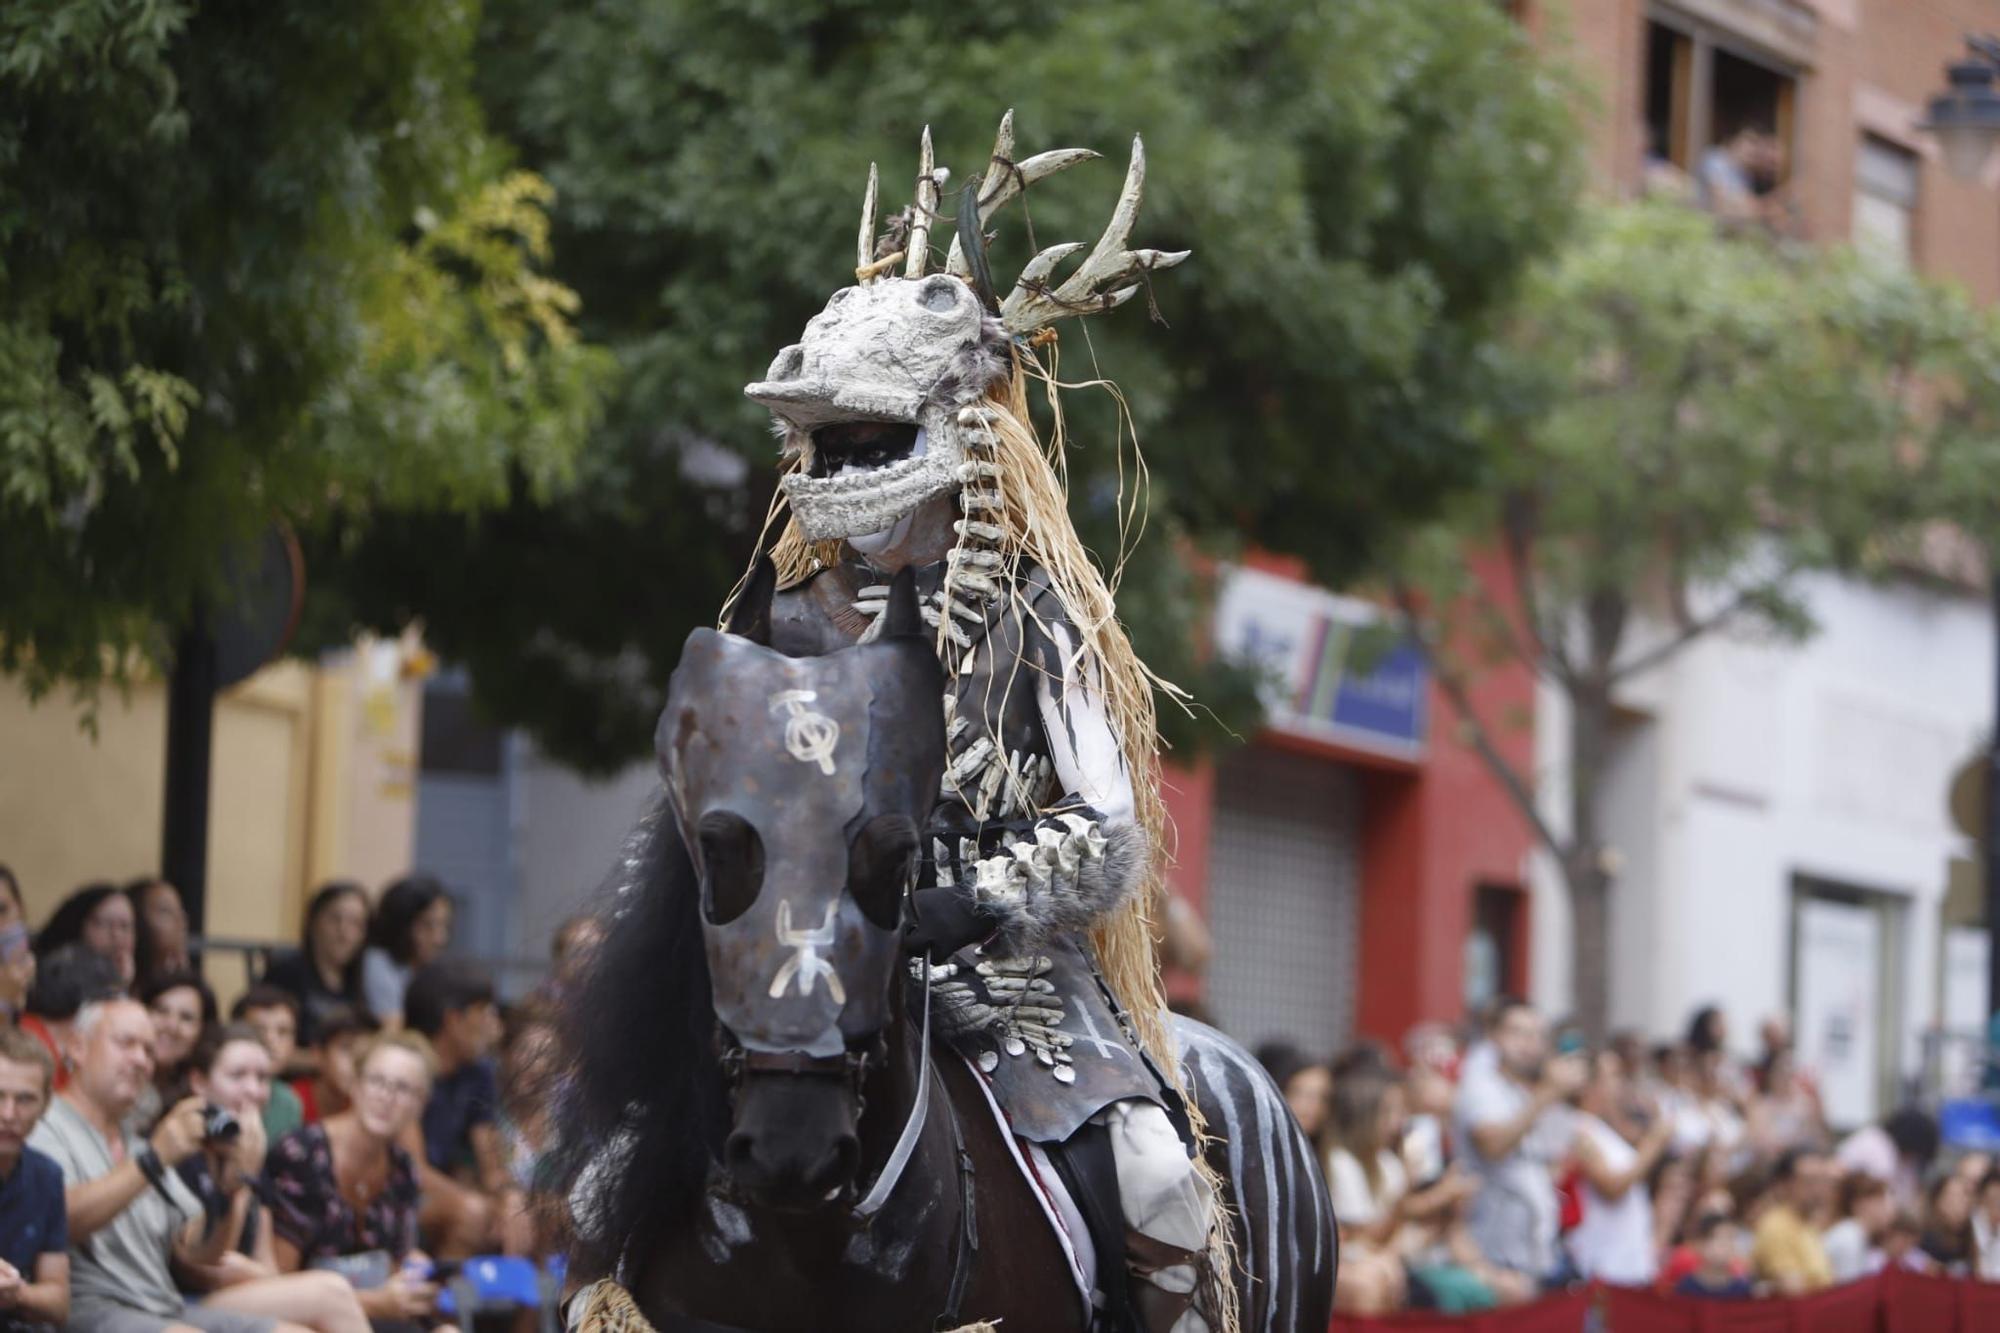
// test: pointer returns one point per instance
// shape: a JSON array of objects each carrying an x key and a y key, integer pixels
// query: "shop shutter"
[{"x": 1284, "y": 894}]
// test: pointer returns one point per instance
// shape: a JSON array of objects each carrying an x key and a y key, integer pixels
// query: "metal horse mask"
[{"x": 799, "y": 785}]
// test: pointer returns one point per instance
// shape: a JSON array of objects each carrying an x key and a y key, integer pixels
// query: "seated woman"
[
  {"x": 411, "y": 928},
  {"x": 17, "y": 959},
  {"x": 344, "y": 1193},
  {"x": 161, "y": 922},
  {"x": 100, "y": 918},
  {"x": 183, "y": 1008},
  {"x": 231, "y": 1071},
  {"x": 325, "y": 971}
]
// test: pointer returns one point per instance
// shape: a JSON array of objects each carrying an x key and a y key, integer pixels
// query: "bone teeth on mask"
[
  {"x": 971, "y": 500},
  {"x": 966, "y": 557},
  {"x": 966, "y": 527},
  {"x": 974, "y": 471}
]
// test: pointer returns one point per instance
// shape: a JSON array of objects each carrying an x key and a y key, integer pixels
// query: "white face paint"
[{"x": 893, "y": 536}]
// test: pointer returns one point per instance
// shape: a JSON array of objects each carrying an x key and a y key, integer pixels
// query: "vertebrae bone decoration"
[{"x": 1109, "y": 276}]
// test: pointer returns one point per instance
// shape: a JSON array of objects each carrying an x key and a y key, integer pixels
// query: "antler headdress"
[
  {"x": 1107, "y": 278},
  {"x": 918, "y": 348}
]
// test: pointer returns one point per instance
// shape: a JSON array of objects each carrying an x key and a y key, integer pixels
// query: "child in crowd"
[
  {"x": 330, "y": 1089},
  {"x": 1902, "y": 1245},
  {"x": 1719, "y": 1275},
  {"x": 274, "y": 1015}
]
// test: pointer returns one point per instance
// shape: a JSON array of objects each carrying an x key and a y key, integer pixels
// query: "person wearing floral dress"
[{"x": 344, "y": 1192}]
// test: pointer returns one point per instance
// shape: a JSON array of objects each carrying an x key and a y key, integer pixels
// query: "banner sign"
[{"x": 1330, "y": 673}]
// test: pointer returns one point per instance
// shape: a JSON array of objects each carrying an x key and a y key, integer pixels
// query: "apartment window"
[
  {"x": 1718, "y": 114},
  {"x": 1885, "y": 200}
]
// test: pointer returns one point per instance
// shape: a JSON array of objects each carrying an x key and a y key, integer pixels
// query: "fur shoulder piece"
[{"x": 1068, "y": 873}]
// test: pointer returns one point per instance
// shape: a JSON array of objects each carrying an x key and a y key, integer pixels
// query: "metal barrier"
[
  {"x": 1893, "y": 1302},
  {"x": 232, "y": 964}
]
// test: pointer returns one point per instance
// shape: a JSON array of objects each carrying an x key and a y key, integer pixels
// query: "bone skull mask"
[
  {"x": 908, "y": 351},
  {"x": 892, "y": 360}
]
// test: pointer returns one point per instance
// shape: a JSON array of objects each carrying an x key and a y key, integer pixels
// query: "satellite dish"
[{"x": 256, "y": 612}]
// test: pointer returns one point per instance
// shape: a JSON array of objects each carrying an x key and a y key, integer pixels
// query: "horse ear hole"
[
  {"x": 732, "y": 866},
  {"x": 880, "y": 862}
]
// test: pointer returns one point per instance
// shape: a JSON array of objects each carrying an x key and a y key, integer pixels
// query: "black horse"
[{"x": 714, "y": 1154}]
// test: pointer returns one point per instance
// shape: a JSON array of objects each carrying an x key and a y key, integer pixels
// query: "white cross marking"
[{"x": 1095, "y": 1038}]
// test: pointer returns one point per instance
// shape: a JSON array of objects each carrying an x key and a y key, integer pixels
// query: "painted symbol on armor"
[
  {"x": 805, "y": 962},
  {"x": 1097, "y": 1039},
  {"x": 809, "y": 736}
]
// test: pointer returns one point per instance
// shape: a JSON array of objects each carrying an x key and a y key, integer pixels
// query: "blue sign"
[{"x": 1329, "y": 674}]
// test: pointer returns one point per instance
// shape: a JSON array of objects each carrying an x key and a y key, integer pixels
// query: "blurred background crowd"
[{"x": 1481, "y": 1167}]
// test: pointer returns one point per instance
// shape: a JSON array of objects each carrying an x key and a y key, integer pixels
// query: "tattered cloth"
[{"x": 606, "y": 1307}]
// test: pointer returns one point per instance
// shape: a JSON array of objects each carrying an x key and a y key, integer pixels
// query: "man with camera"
[{"x": 130, "y": 1214}]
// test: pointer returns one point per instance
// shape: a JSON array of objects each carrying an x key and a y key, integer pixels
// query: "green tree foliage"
[
  {"x": 1708, "y": 418},
  {"x": 1361, "y": 183},
  {"x": 253, "y": 256}
]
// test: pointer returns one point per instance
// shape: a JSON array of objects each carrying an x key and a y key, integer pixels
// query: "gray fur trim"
[
  {"x": 975, "y": 368},
  {"x": 1100, "y": 886}
]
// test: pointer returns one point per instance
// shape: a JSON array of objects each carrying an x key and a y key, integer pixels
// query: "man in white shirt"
[{"x": 1511, "y": 1134}]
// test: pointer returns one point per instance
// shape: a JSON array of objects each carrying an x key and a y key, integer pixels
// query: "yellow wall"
[{"x": 314, "y": 779}]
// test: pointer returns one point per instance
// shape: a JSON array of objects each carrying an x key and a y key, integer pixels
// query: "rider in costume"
[{"x": 904, "y": 419}]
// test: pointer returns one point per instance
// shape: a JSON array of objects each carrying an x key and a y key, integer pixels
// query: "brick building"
[
  {"x": 1780, "y": 813},
  {"x": 1842, "y": 83}
]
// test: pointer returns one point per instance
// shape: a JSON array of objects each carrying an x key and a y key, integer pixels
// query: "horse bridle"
[
  {"x": 853, "y": 1066},
  {"x": 850, "y": 1065}
]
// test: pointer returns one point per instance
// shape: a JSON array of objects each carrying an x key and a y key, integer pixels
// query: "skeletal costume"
[{"x": 903, "y": 415}]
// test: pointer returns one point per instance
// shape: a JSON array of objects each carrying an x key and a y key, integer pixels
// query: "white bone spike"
[
  {"x": 864, "y": 246},
  {"x": 1101, "y": 281},
  {"x": 1006, "y": 178},
  {"x": 1037, "y": 270},
  {"x": 1025, "y": 175},
  {"x": 927, "y": 202}
]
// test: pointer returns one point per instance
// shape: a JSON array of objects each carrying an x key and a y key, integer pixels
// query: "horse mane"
[{"x": 640, "y": 1108}]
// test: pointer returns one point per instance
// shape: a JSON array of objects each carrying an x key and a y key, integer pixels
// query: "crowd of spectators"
[
  {"x": 322, "y": 1159},
  {"x": 1482, "y": 1169}
]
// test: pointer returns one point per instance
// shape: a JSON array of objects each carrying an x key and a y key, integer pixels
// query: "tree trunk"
[
  {"x": 1583, "y": 863},
  {"x": 1590, "y": 948}
]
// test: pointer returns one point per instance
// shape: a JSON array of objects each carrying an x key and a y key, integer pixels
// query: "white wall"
[{"x": 1765, "y": 761}]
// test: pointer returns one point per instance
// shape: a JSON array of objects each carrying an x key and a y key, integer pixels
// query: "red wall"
[{"x": 1432, "y": 833}]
